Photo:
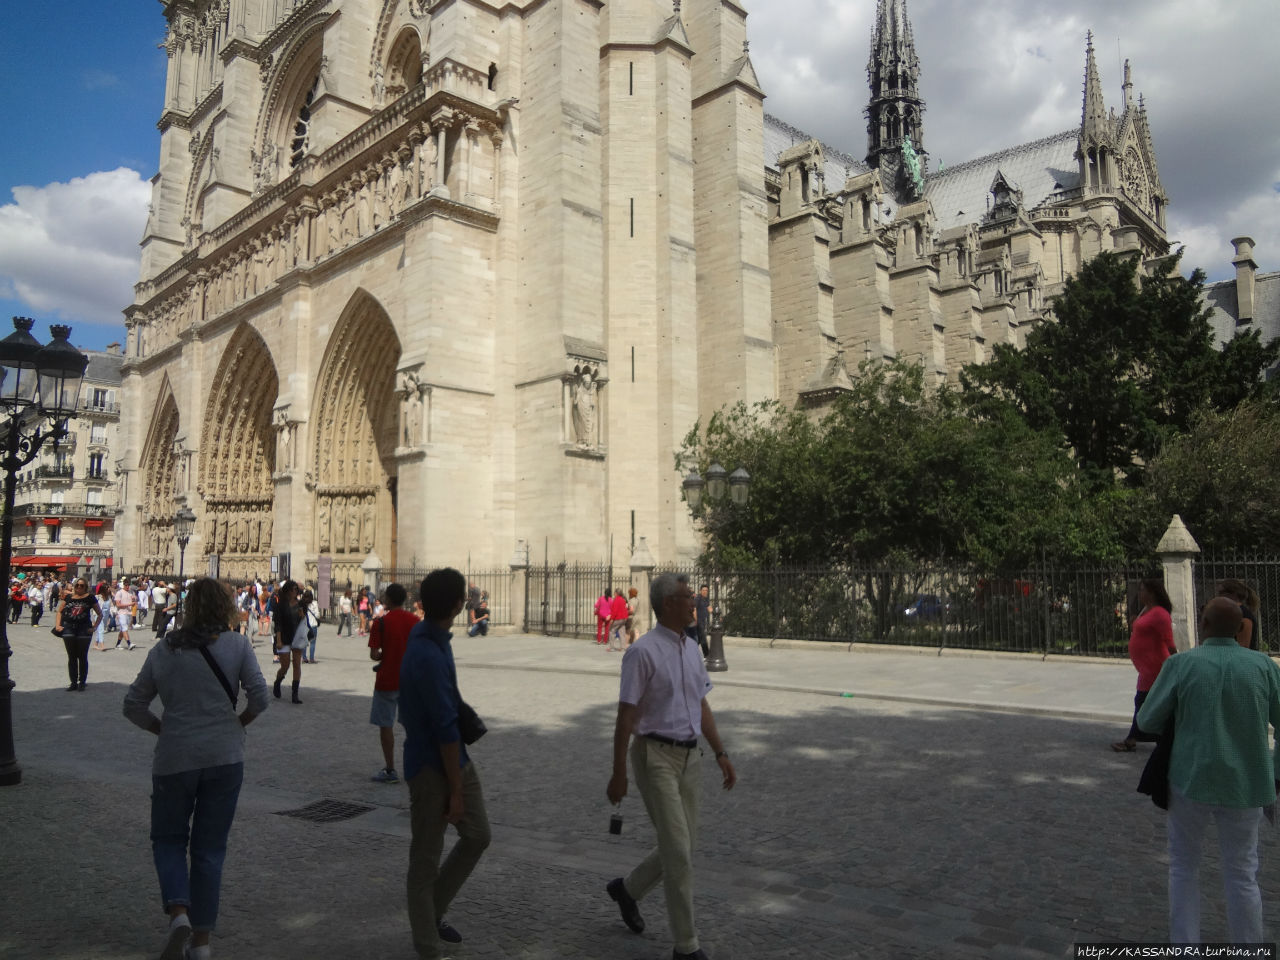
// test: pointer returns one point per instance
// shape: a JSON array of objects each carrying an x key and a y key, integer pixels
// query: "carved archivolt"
[
  {"x": 294, "y": 74},
  {"x": 159, "y": 482},
  {"x": 356, "y": 422},
  {"x": 238, "y": 453}
]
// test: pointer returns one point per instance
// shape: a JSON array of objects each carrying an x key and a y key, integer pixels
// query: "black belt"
[{"x": 685, "y": 744}]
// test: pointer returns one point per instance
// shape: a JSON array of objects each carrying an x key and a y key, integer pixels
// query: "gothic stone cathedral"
[{"x": 423, "y": 278}]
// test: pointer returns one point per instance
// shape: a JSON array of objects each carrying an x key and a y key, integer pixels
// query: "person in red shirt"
[
  {"x": 388, "y": 636},
  {"x": 1150, "y": 645},
  {"x": 618, "y": 613}
]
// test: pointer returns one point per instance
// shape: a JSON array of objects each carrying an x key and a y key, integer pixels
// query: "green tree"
[
  {"x": 1124, "y": 365},
  {"x": 1220, "y": 477},
  {"x": 896, "y": 471}
]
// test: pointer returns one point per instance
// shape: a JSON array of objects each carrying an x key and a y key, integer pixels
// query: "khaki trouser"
[
  {"x": 669, "y": 779},
  {"x": 431, "y": 885}
]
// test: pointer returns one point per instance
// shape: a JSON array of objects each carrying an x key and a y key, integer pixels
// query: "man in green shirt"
[{"x": 1221, "y": 697}]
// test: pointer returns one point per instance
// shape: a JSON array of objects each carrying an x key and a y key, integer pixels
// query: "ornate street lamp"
[
  {"x": 739, "y": 489},
  {"x": 184, "y": 524},
  {"x": 37, "y": 383}
]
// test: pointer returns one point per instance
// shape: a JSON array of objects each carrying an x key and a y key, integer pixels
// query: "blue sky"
[{"x": 84, "y": 82}]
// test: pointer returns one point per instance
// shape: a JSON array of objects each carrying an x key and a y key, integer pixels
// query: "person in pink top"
[
  {"x": 1150, "y": 645},
  {"x": 604, "y": 607}
]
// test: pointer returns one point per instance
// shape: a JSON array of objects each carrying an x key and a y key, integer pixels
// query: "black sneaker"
[
  {"x": 447, "y": 933},
  {"x": 627, "y": 905}
]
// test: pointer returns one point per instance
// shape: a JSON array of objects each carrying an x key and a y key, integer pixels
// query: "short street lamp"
[
  {"x": 184, "y": 524},
  {"x": 712, "y": 490},
  {"x": 37, "y": 383}
]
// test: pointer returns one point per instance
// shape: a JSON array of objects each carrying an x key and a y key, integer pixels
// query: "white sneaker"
[
  {"x": 175, "y": 947},
  {"x": 201, "y": 952}
]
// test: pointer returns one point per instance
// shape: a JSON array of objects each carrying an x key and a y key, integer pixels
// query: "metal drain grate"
[{"x": 327, "y": 811}]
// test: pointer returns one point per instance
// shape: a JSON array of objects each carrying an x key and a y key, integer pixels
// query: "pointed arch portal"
[
  {"x": 237, "y": 453},
  {"x": 159, "y": 483},
  {"x": 355, "y": 433}
]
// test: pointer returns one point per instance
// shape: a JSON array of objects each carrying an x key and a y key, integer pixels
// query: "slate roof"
[
  {"x": 780, "y": 135},
  {"x": 1220, "y": 298},
  {"x": 960, "y": 194},
  {"x": 103, "y": 367}
]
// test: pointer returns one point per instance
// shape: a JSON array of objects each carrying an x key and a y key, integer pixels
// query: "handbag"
[
  {"x": 1155, "y": 775},
  {"x": 470, "y": 726}
]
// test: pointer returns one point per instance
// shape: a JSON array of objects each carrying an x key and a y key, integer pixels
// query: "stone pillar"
[
  {"x": 1177, "y": 549},
  {"x": 519, "y": 588},
  {"x": 372, "y": 568},
  {"x": 642, "y": 564}
]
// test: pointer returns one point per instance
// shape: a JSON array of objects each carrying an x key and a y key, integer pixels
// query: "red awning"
[
  {"x": 111, "y": 562},
  {"x": 51, "y": 521},
  {"x": 93, "y": 523},
  {"x": 37, "y": 561}
]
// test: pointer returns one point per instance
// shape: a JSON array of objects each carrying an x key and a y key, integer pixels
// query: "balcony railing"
[
  {"x": 90, "y": 405},
  {"x": 44, "y": 471},
  {"x": 97, "y": 475},
  {"x": 68, "y": 509}
]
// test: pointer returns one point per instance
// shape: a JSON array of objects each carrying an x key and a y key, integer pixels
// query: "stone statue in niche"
[
  {"x": 381, "y": 213},
  {"x": 583, "y": 394},
  {"x": 379, "y": 86},
  {"x": 222, "y": 536},
  {"x": 353, "y": 527},
  {"x": 267, "y": 521},
  {"x": 411, "y": 390},
  {"x": 322, "y": 516},
  {"x": 339, "y": 527},
  {"x": 367, "y": 524}
]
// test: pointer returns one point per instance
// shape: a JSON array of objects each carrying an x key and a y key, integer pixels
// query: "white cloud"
[{"x": 72, "y": 248}]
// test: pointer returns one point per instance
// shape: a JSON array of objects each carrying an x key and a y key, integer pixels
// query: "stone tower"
[{"x": 895, "y": 115}]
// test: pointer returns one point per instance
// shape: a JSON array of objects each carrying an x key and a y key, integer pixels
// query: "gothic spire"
[
  {"x": 1094, "y": 127},
  {"x": 895, "y": 112}
]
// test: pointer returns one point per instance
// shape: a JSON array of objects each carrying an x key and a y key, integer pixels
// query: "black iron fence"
[
  {"x": 561, "y": 599},
  {"x": 1259, "y": 572},
  {"x": 494, "y": 582},
  {"x": 1043, "y": 609}
]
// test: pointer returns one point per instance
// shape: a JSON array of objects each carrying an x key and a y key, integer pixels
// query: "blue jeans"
[
  {"x": 311, "y": 645},
  {"x": 210, "y": 794}
]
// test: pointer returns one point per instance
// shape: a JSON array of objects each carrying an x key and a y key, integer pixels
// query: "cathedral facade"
[{"x": 424, "y": 279}]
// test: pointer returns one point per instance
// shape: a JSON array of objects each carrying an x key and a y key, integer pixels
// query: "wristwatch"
[{"x": 722, "y": 753}]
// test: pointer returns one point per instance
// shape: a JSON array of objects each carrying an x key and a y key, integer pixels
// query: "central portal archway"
[
  {"x": 237, "y": 453},
  {"x": 356, "y": 413}
]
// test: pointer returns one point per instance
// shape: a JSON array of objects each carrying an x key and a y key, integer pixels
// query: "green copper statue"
[{"x": 912, "y": 164}]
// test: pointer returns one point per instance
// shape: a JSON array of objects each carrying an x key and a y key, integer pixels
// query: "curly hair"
[{"x": 209, "y": 605}]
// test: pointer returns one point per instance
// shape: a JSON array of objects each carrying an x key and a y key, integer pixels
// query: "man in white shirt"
[
  {"x": 157, "y": 604},
  {"x": 663, "y": 701},
  {"x": 124, "y": 601}
]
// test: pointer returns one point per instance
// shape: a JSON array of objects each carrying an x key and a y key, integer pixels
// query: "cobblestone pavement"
[{"x": 861, "y": 827}]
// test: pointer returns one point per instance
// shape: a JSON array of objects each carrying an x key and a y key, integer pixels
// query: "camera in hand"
[{"x": 615, "y": 824}]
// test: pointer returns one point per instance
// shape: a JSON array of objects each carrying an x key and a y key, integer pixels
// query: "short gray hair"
[{"x": 665, "y": 585}]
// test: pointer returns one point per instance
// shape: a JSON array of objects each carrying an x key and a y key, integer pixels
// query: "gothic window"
[
  {"x": 404, "y": 66},
  {"x": 302, "y": 128},
  {"x": 866, "y": 214}
]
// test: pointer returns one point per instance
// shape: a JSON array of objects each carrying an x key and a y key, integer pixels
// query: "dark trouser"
[
  {"x": 156, "y": 617},
  {"x": 162, "y": 621},
  {"x": 15, "y": 610},
  {"x": 1134, "y": 732},
  {"x": 78, "y": 657},
  {"x": 702, "y": 640},
  {"x": 344, "y": 618},
  {"x": 37, "y": 611}
]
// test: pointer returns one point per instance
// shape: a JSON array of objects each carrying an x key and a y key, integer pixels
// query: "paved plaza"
[{"x": 952, "y": 806}]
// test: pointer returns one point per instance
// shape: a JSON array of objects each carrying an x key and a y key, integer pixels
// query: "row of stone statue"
[
  {"x": 238, "y": 533},
  {"x": 346, "y": 524}
]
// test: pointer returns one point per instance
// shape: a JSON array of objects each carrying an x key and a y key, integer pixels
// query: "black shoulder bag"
[{"x": 217, "y": 672}]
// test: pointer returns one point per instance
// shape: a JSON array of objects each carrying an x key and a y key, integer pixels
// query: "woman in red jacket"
[{"x": 1150, "y": 645}]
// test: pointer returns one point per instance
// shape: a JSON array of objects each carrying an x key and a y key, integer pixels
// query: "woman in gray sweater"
[{"x": 197, "y": 672}]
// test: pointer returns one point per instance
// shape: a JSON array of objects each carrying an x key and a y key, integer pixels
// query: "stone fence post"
[
  {"x": 1177, "y": 549},
  {"x": 642, "y": 564},
  {"x": 519, "y": 589},
  {"x": 372, "y": 569}
]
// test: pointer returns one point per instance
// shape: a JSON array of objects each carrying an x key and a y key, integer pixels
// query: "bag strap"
[{"x": 217, "y": 670}]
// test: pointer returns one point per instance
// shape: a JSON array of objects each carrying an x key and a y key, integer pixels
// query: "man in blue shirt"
[{"x": 443, "y": 785}]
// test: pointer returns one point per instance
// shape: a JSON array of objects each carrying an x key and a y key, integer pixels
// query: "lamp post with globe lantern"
[
  {"x": 712, "y": 490},
  {"x": 39, "y": 391}
]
